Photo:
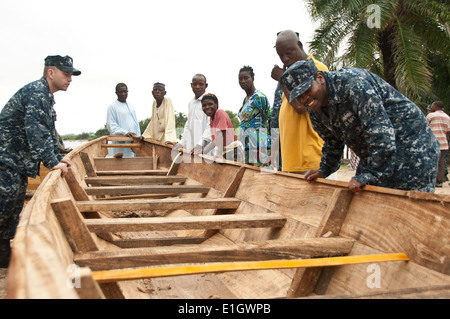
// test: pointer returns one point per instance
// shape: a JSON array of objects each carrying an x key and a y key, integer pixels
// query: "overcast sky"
[{"x": 141, "y": 42}]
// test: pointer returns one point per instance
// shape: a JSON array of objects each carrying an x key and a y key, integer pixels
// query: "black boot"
[{"x": 5, "y": 253}]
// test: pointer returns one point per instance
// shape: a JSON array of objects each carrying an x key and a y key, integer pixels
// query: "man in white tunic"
[
  {"x": 121, "y": 120},
  {"x": 196, "y": 130},
  {"x": 162, "y": 123}
]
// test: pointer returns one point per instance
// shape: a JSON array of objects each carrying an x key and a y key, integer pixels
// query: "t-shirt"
[
  {"x": 440, "y": 125},
  {"x": 222, "y": 122},
  {"x": 301, "y": 146}
]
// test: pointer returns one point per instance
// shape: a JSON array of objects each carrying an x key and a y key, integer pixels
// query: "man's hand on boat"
[
  {"x": 198, "y": 149},
  {"x": 312, "y": 174},
  {"x": 353, "y": 184},
  {"x": 63, "y": 165},
  {"x": 131, "y": 134},
  {"x": 175, "y": 146}
]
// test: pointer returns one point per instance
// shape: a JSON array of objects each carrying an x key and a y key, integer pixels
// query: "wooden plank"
[
  {"x": 155, "y": 242},
  {"x": 249, "y": 251},
  {"x": 79, "y": 194},
  {"x": 77, "y": 191},
  {"x": 305, "y": 280},
  {"x": 79, "y": 237},
  {"x": 155, "y": 157},
  {"x": 129, "y": 145},
  {"x": 119, "y": 138},
  {"x": 399, "y": 222},
  {"x": 88, "y": 166},
  {"x": 146, "y": 189},
  {"x": 336, "y": 212},
  {"x": 130, "y": 180},
  {"x": 230, "y": 192},
  {"x": 88, "y": 287},
  {"x": 143, "y": 196},
  {"x": 124, "y": 163},
  {"x": 175, "y": 164},
  {"x": 108, "y": 276},
  {"x": 234, "y": 186},
  {"x": 184, "y": 223},
  {"x": 161, "y": 172},
  {"x": 433, "y": 292},
  {"x": 71, "y": 222},
  {"x": 163, "y": 204}
]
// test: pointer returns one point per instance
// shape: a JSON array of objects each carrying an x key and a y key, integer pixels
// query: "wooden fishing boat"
[{"x": 197, "y": 228}]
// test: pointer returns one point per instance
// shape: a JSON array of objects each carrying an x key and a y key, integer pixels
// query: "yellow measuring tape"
[{"x": 107, "y": 276}]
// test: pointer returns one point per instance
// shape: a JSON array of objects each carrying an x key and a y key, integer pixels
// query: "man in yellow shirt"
[
  {"x": 301, "y": 146},
  {"x": 162, "y": 123}
]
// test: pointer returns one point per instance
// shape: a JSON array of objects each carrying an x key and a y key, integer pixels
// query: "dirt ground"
[{"x": 344, "y": 174}]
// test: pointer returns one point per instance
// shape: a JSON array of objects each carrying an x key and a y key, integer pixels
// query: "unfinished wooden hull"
[
  {"x": 33, "y": 183},
  {"x": 201, "y": 229}
]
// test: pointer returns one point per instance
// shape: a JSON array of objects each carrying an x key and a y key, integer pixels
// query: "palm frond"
[
  {"x": 323, "y": 9},
  {"x": 433, "y": 33},
  {"x": 409, "y": 31},
  {"x": 388, "y": 10},
  {"x": 440, "y": 10},
  {"x": 362, "y": 47},
  {"x": 329, "y": 36},
  {"x": 441, "y": 78},
  {"x": 412, "y": 75}
]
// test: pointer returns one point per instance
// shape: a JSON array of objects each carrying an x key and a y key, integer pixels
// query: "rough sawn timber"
[{"x": 376, "y": 221}]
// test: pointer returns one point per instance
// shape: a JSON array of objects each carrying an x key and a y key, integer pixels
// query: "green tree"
[
  {"x": 234, "y": 119},
  {"x": 180, "y": 120},
  {"x": 395, "y": 39},
  {"x": 441, "y": 79},
  {"x": 143, "y": 124},
  {"x": 101, "y": 132}
]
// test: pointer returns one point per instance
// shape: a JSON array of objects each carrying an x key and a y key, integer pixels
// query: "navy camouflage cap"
[
  {"x": 63, "y": 63},
  {"x": 299, "y": 77}
]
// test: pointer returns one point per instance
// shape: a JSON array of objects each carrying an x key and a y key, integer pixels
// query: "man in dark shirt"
[
  {"x": 27, "y": 137},
  {"x": 354, "y": 107}
]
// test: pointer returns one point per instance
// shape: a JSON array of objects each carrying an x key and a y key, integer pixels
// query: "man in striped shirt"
[{"x": 440, "y": 125}]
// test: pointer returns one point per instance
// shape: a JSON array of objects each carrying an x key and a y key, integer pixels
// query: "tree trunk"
[{"x": 385, "y": 38}]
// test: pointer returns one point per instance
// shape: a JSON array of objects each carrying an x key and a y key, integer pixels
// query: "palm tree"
[{"x": 391, "y": 38}]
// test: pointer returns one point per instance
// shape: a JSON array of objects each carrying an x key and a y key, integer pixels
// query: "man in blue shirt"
[
  {"x": 389, "y": 133},
  {"x": 27, "y": 137}
]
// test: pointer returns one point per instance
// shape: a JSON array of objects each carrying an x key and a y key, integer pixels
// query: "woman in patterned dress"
[{"x": 254, "y": 132}]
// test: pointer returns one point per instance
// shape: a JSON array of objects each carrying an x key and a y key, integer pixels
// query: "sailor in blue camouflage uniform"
[
  {"x": 27, "y": 137},
  {"x": 389, "y": 133}
]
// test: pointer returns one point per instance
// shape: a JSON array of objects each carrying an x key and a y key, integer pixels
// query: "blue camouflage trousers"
[{"x": 13, "y": 188}]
